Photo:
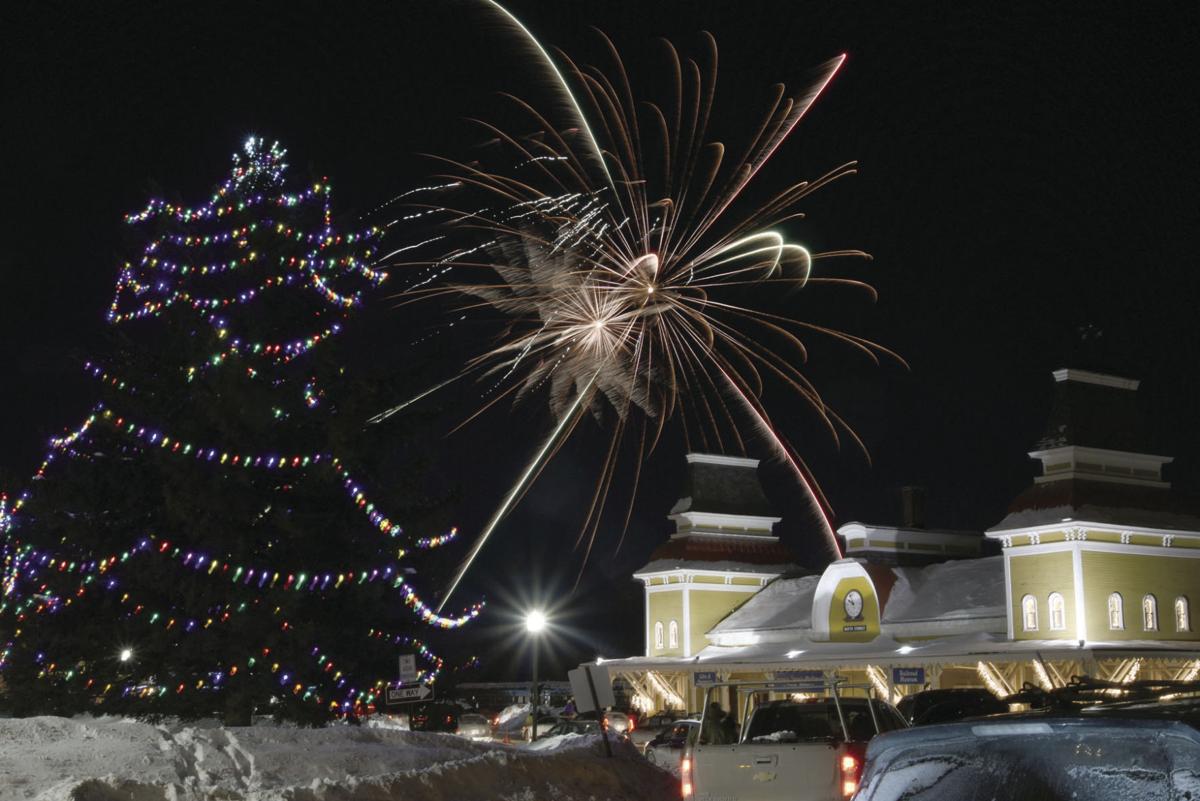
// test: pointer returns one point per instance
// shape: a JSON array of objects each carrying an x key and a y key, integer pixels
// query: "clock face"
[{"x": 853, "y": 605}]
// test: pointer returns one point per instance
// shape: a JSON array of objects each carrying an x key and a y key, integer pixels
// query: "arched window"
[
  {"x": 673, "y": 634},
  {"x": 658, "y": 634},
  {"x": 1029, "y": 621},
  {"x": 1183, "y": 617},
  {"x": 1058, "y": 612},
  {"x": 1150, "y": 613},
  {"x": 1116, "y": 612}
]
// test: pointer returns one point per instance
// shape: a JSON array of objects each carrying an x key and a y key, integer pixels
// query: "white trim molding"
[
  {"x": 717, "y": 458},
  {"x": 1099, "y": 379}
]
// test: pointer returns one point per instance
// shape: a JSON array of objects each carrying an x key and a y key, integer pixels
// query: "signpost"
[
  {"x": 593, "y": 693},
  {"x": 908, "y": 675},
  {"x": 407, "y": 695},
  {"x": 800, "y": 675},
  {"x": 408, "y": 668},
  {"x": 704, "y": 678}
]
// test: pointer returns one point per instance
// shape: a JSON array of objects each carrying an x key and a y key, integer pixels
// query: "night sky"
[{"x": 1027, "y": 172}]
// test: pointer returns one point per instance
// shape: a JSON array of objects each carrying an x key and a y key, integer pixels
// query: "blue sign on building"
[
  {"x": 799, "y": 675},
  {"x": 703, "y": 678},
  {"x": 902, "y": 675}
]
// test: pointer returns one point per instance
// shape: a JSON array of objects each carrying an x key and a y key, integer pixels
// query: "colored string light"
[
  {"x": 312, "y": 394},
  {"x": 255, "y": 578}
]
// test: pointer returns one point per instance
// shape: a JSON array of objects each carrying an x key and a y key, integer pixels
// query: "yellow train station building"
[{"x": 1094, "y": 570}]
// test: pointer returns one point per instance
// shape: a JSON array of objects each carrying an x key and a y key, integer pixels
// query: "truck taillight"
[{"x": 852, "y": 765}]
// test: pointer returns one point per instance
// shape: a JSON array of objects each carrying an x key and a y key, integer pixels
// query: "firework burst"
[{"x": 619, "y": 256}]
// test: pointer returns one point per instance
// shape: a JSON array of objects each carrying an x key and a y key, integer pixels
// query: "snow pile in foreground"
[{"x": 105, "y": 759}]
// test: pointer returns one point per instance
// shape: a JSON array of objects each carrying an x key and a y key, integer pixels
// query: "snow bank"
[{"x": 105, "y": 759}]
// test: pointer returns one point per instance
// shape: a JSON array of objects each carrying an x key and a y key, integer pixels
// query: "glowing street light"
[
  {"x": 125, "y": 655},
  {"x": 535, "y": 624}
]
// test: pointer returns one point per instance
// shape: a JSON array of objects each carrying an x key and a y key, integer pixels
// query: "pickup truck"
[{"x": 794, "y": 743}]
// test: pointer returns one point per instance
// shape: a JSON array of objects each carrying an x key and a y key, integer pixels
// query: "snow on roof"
[
  {"x": 784, "y": 603},
  {"x": 663, "y": 565},
  {"x": 955, "y": 590},
  {"x": 963, "y": 588},
  {"x": 1082, "y": 513}
]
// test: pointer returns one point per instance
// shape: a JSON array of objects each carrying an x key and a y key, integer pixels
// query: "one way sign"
[{"x": 406, "y": 695}]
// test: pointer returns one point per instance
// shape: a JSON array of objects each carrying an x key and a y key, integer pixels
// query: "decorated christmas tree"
[{"x": 213, "y": 538}]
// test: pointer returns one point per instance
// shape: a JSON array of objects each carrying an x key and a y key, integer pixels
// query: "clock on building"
[{"x": 853, "y": 604}]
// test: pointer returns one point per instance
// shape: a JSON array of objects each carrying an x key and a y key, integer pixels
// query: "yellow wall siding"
[
  {"x": 665, "y": 607},
  {"x": 744, "y": 581},
  {"x": 1135, "y": 575},
  {"x": 708, "y": 608},
  {"x": 1040, "y": 574},
  {"x": 708, "y": 580}
]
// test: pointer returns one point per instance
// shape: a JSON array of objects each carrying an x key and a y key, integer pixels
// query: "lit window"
[
  {"x": 1183, "y": 619},
  {"x": 673, "y": 633},
  {"x": 658, "y": 634},
  {"x": 1150, "y": 613},
  {"x": 1029, "y": 611},
  {"x": 1116, "y": 612},
  {"x": 1058, "y": 612}
]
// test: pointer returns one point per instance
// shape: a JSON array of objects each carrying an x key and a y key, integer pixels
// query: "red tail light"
[{"x": 851, "y": 764}]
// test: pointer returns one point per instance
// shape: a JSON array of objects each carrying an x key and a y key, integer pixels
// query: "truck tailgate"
[{"x": 766, "y": 772}]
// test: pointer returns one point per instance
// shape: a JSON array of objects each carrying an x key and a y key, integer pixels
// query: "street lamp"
[
  {"x": 125, "y": 655},
  {"x": 535, "y": 624}
]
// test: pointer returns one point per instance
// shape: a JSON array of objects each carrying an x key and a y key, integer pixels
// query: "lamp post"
[{"x": 535, "y": 624}]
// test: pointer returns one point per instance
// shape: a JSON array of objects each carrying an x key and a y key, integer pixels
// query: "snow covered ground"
[{"x": 105, "y": 759}]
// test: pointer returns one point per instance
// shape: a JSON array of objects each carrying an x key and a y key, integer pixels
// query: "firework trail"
[{"x": 612, "y": 250}]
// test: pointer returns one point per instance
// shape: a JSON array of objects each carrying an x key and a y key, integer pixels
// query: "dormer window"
[
  {"x": 1183, "y": 618},
  {"x": 1029, "y": 613},
  {"x": 658, "y": 634},
  {"x": 673, "y": 634}
]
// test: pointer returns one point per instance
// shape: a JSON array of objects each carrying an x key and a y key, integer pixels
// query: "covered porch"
[{"x": 896, "y": 669}]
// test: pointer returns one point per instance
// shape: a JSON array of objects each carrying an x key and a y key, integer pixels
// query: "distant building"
[{"x": 1097, "y": 571}]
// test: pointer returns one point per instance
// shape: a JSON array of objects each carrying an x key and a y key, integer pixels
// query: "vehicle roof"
[
  {"x": 816, "y": 702},
  {"x": 1018, "y": 725}
]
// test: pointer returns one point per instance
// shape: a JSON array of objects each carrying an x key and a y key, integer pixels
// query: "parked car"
[
  {"x": 1035, "y": 758},
  {"x": 1091, "y": 739},
  {"x": 944, "y": 706},
  {"x": 619, "y": 723},
  {"x": 544, "y": 723},
  {"x": 569, "y": 726},
  {"x": 435, "y": 717},
  {"x": 798, "y": 750},
  {"x": 474, "y": 726},
  {"x": 667, "y": 749},
  {"x": 650, "y": 727}
]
